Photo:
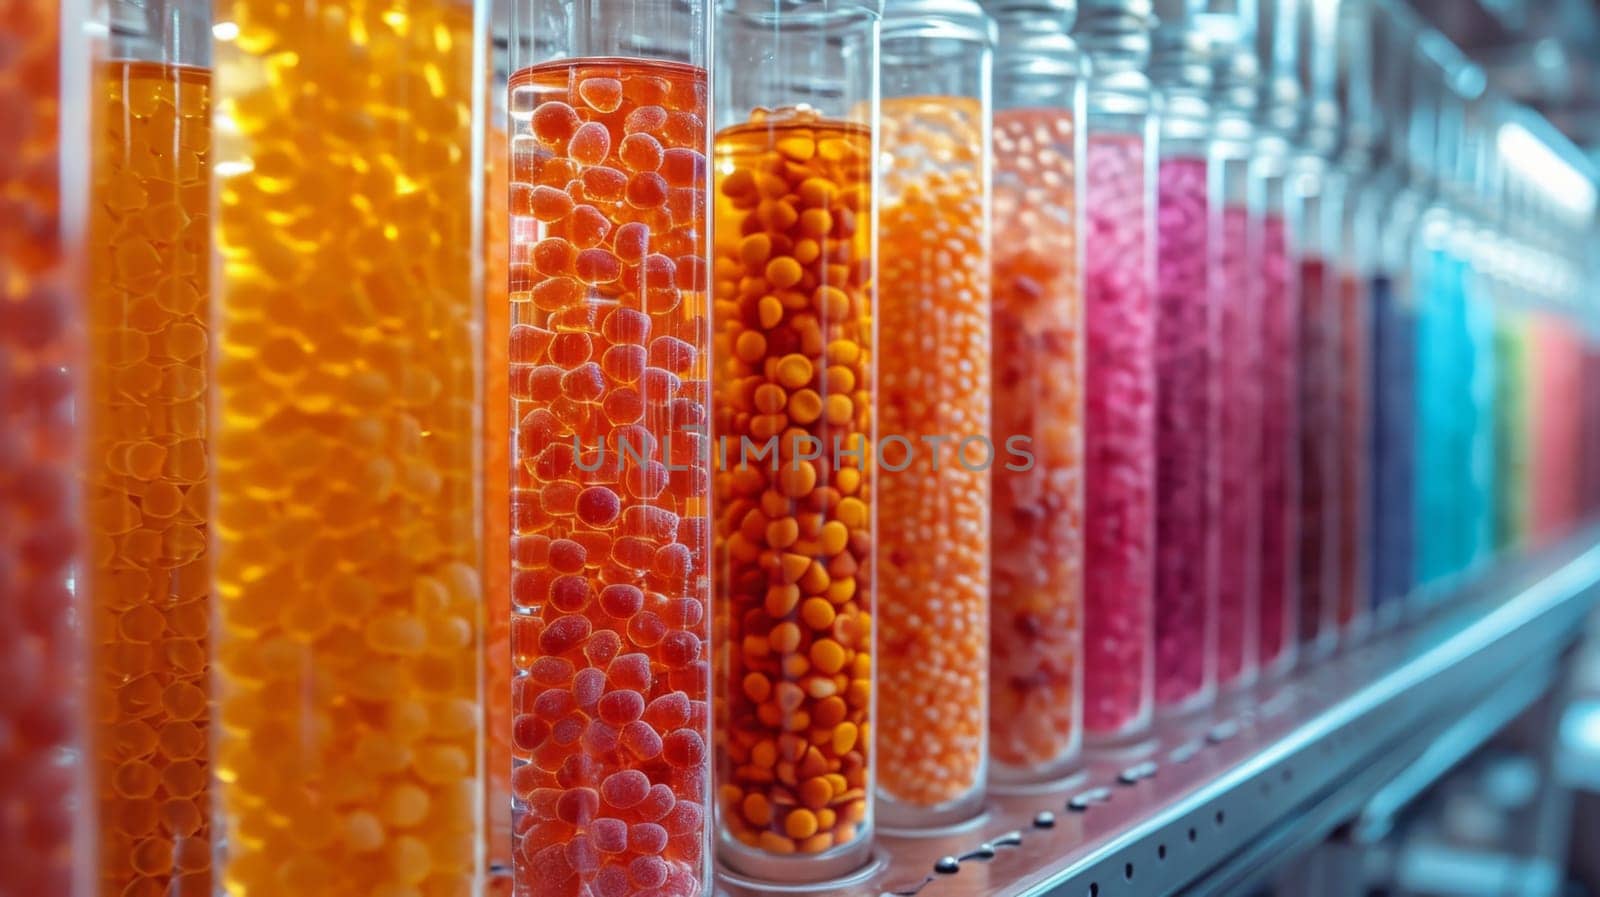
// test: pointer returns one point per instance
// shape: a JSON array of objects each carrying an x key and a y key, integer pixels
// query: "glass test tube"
[
  {"x": 1233, "y": 284},
  {"x": 496, "y": 340},
  {"x": 44, "y": 813},
  {"x": 795, "y": 261},
  {"x": 610, "y": 354},
  {"x": 1188, "y": 378},
  {"x": 1120, "y": 421},
  {"x": 346, "y": 447},
  {"x": 147, "y": 480},
  {"x": 1512, "y": 362},
  {"x": 935, "y": 346},
  {"x": 1036, "y": 559},
  {"x": 1277, "y": 297}
]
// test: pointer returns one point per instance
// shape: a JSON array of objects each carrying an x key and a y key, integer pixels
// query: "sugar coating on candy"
[
  {"x": 1187, "y": 425},
  {"x": 1119, "y": 440},
  {"x": 1239, "y": 448},
  {"x": 588, "y": 455},
  {"x": 1280, "y": 453},
  {"x": 347, "y": 534},
  {"x": 1318, "y": 443},
  {"x": 933, "y": 611},
  {"x": 147, "y": 486},
  {"x": 1036, "y": 555},
  {"x": 767, "y": 173}
]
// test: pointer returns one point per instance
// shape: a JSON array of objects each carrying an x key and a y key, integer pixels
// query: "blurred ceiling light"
[{"x": 1561, "y": 183}]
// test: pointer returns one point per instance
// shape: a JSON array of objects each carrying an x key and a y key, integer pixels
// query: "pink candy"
[
  {"x": 1239, "y": 450},
  {"x": 1119, "y": 441},
  {"x": 1280, "y": 458},
  {"x": 1186, "y": 428}
]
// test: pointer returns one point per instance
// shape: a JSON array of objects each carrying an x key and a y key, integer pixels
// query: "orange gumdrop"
[
  {"x": 601, "y": 94},
  {"x": 554, "y": 122}
]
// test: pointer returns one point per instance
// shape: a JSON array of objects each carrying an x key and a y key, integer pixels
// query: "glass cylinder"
[
  {"x": 795, "y": 245},
  {"x": 1278, "y": 299},
  {"x": 610, "y": 379},
  {"x": 146, "y": 484},
  {"x": 1513, "y": 360},
  {"x": 1233, "y": 284},
  {"x": 1352, "y": 604},
  {"x": 1188, "y": 380},
  {"x": 1036, "y": 559},
  {"x": 1120, "y": 373},
  {"x": 346, "y": 447},
  {"x": 497, "y": 665},
  {"x": 1556, "y": 428},
  {"x": 44, "y": 848},
  {"x": 934, "y": 390}
]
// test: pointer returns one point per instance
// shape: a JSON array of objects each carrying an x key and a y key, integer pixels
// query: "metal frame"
[{"x": 1212, "y": 806}]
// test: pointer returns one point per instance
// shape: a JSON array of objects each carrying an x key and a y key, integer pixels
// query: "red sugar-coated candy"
[
  {"x": 684, "y": 129},
  {"x": 623, "y": 364},
  {"x": 690, "y": 783},
  {"x": 685, "y": 818},
  {"x": 601, "y": 738},
  {"x": 542, "y": 801},
  {"x": 577, "y": 771},
  {"x": 630, "y": 672},
  {"x": 524, "y": 781},
  {"x": 559, "y": 499},
  {"x": 587, "y": 687},
  {"x": 549, "y": 204},
  {"x": 668, "y": 712},
  {"x": 537, "y": 429},
  {"x": 609, "y": 835},
  {"x": 656, "y": 805},
  {"x": 556, "y": 463},
  {"x": 575, "y": 317},
  {"x": 598, "y": 506},
  {"x": 530, "y": 551},
  {"x": 645, "y": 118},
  {"x": 571, "y": 349},
  {"x": 684, "y": 613},
  {"x": 611, "y": 881},
  {"x": 650, "y": 522},
  {"x": 596, "y": 542},
  {"x": 585, "y": 383},
  {"x": 554, "y": 256},
  {"x": 567, "y": 730},
  {"x": 646, "y": 481},
  {"x": 554, "y": 703},
  {"x": 679, "y": 649},
  {"x": 554, "y": 122},
  {"x": 646, "y": 190},
  {"x": 601, "y": 94},
  {"x": 682, "y": 411},
  {"x": 570, "y": 594},
  {"x": 527, "y": 514},
  {"x": 648, "y": 872},
  {"x": 632, "y": 242},
  {"x": 531, "y": 588},
  {"x": 556, "y": 293},
  {"x": 672, "y": 354},
  {"x": 524, "y": 382},
  {"x": 692, "y": 274},
  {"x": 590, "y": 144},
  {"x": 643, "y": 742},
  {"x": 684, "y": 748},
  {"x": 685, "y": 205},
  {"x": 646, "y": 629},
  {"x": 528, "y": 343},
  {"x": 604, "y": 183},
  {"x": 699, "y": 716},
  {"x": 625, "y": 326},
  {"x": 683, "y": 167},
  {"x": 578, "y": 806},
  {"x": 566, "y": 555},
  {"x": 687, "y": 848},
  {"x": 623, "y": 406},
  {"x": 583, "y": 856},
  {"x": 603, "y": 647},
  {"x": 620, "y": 707},
  {"x": 621, "y": 600},
  {"x": 690, "y": 676},
  {"x": 564, "y": 634},
  {"x": 633, "y": 553},
  {"x": 659, "y": 386},
  {"x": 553, "y": 671},
  {"x": 634, "y": 441},
  {"x": 527, "y": 731},
  {"x": 672, "y": 561},
  {"x": 556, "y": 173},
  {"x": 625, "y": 789},
  {"x": 640, "y": 152},
  {"x": 598, "y": 266},
  {"x": 647, "y": 838},
  {"x": 589, "y": 226}
]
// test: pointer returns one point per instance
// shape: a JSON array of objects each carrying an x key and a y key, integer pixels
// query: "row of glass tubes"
[{"x": 741, "y": 429}]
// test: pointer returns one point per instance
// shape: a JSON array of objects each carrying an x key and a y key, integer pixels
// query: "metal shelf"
[{"x": 1208, "y": 806}]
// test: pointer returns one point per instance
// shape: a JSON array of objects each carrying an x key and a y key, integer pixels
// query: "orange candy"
[
  {"x": 933, "y": 590},
  {"x": 795, "y": 681}
]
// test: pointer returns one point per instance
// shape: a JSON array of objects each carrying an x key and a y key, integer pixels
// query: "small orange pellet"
[{"x": 798, "y": 300}]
